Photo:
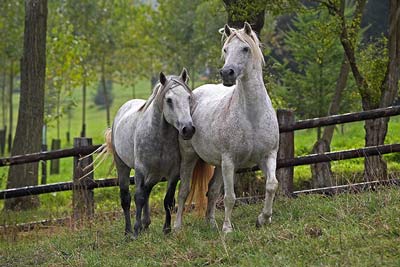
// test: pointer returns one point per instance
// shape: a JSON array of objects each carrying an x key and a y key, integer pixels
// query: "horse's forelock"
[
  {"x": 252, "y": 40},
  {"x": 160, "y": 90}
]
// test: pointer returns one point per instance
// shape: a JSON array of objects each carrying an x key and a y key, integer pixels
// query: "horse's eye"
[
  {"x": 224, "y": 50},
  {"x": 246, "y": 49},
  {"x": 169, "y": 100}
]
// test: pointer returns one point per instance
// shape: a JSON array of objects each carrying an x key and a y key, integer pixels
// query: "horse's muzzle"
[
  {"x": 228, "y": 75},
  {"x": 188, "y": 132}
]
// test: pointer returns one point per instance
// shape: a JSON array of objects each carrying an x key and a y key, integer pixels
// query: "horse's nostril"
[
  {"x": 221, "y": 72},
  {"x": 188, "y": 131},
  {"x": 231, "y": 72}
]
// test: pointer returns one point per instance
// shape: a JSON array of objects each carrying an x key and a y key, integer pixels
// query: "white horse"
[
  {"x": 144, "y": 137},
  {"x": 236, "y": 127}
]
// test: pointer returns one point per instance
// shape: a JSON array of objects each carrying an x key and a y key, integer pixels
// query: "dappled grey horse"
[
  {"x": 145, "y": 138},
  {"x": 236, "y": 127}
]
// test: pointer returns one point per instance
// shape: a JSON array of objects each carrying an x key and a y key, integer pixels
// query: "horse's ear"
[
  {"x": 163, "y": 79},
  {"x": 227, "y": 30},
  {"x": 247, "y": 28},
  {"x": 184, "y": 75}
]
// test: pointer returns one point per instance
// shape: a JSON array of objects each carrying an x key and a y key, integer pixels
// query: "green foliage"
[
  {"x": 309, "y": 75},
  {"x": 373, "y": 61},
  {"x": 188, "y": 34}
]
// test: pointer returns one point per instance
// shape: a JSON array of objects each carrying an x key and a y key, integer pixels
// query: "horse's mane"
[
  {"x": 252, "y": 40},
  {"x": 160, "y": 90}
]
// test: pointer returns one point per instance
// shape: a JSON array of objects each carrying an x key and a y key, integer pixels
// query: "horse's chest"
[
  {"x": 247, "y": 141},
  {"x": 157, "y": 157}
]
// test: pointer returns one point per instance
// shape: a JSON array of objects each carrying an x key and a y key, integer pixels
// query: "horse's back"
[{"x": 124, "y": 130}]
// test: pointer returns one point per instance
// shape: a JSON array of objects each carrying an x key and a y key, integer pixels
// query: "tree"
[
  {"x": 315, "y": 56},
  {"x": 11, "y": 36},
  {"x": 31, "y": 109},
  {"x": 373, "y": 94}
]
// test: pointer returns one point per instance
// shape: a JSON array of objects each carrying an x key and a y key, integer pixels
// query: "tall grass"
[{"x": 345, "y": 230}]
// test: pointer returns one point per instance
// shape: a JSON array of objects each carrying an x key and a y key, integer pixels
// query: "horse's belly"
[{"x": 244, "y": 148}]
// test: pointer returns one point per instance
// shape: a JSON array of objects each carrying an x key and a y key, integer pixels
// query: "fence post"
[
  {"x": 83, "y": 198},
  {"x": 286, "y": 151},
  {"x": 55, "y": 163}
]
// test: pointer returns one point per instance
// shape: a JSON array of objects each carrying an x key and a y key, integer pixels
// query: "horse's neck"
[
  {"x": 251, "y": 95},
  {"x": 160, "y": 129}
]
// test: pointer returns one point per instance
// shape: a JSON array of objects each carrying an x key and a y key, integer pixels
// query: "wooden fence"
[{"x": 83, "y": 200}]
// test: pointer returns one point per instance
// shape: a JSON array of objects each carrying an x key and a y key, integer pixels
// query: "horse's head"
[
  {"x": 176, "y": 103},
  {"x": 241, "y": 51}
]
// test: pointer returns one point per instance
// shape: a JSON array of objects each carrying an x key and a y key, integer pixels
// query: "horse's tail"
[
  {"x": 103, "y": 152},
  {"x": 202, "y": 174}
]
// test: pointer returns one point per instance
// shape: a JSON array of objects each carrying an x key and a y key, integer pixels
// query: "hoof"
[
  {"x": 167, "y": 230},
  {"x": 227, "y": 230},
  {"x": 129, "y": 236},
  {"x": 262, "y": 219},
  {"x": 212, "y": 223},
  {"x": 146, "y": 224}
]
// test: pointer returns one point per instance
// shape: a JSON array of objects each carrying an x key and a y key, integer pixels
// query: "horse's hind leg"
[
  {"x": 268, "y": 166},
  {"x": 146, "y": 221},
  {"x": 169, "y": 202},
  {"x": 214, "y": 190},
  {"x": 123, "y": 180}
]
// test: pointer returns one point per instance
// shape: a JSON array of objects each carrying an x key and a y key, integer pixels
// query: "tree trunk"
[
  {"x": 3, "y": 99},
  {"x": 106, "y": 99},
  {"x": 240, "y": 11},
  {"x": 376, "y": 167},
  {"x": 3, "y": 131},
  {"x": 321, "y": 172},
  {"x": 10, "y": 106},
  {"x": 31, "y": 107},
  {"x": 375, "y": 130},
  {"x": 83, "y": 132}
]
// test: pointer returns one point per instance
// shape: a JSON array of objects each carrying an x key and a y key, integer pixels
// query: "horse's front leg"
[
  {"x": 268, "y": 166},
  {"x": 228, "y": 172},
  {"x": 140, "y": 200},
  {"x": 214, "y": 190},
  {"x": 186, "y": 171},
  {"x": 169, "y": 203}
]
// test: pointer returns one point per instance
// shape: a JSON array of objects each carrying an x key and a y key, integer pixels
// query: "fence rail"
[
  {"x": 283, "y": 163},
  {"x": 48, "y": 155},
  {"x": 340, "y": 119}
]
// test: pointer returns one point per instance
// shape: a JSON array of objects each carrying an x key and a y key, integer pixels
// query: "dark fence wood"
[
  {"x": 304, "y": 160},
  {"x": 55, "y": 163},
  {"x": 343, "y": 118},
  {"x": 44, "y": 166},
  {"x": 333, "y": 156},
  {"x": 3, "y": 134},
  {"x": 82, "y": 195},
  {"x": 57, "y": 187},
  {"x": 34, "y": 157},
  {"x": 286, "y": 151}
]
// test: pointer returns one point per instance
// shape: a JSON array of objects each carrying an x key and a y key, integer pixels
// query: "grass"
[{"x": 345, "y": 230}]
